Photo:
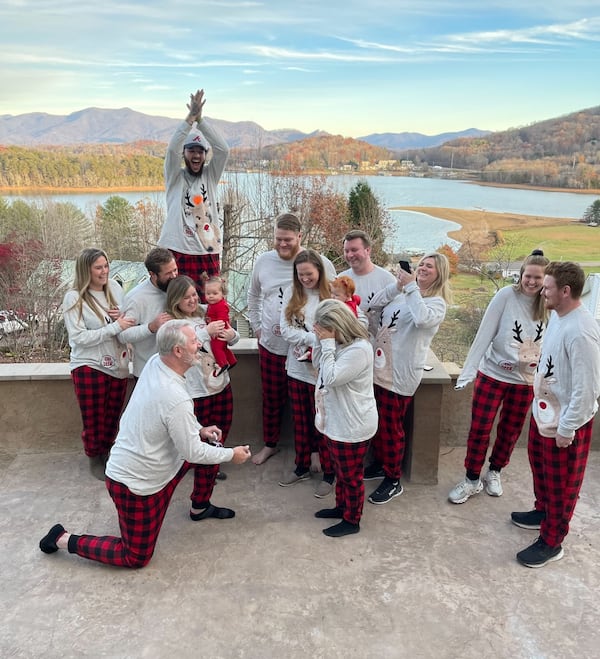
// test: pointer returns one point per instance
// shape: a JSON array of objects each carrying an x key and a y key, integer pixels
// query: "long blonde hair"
[
  {"x": 176, "y": 290},
  {"x": 336, "y": 316},
  {"x": 441, "y": 285},
  {"x": 295, "y": 307},
  {"x": 82, "y": 280}
]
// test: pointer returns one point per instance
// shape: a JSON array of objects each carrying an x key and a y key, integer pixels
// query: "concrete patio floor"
[{"x": 423, "y": 578}]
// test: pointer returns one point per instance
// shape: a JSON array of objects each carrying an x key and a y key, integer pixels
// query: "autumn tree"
[
  {"x": 452, "y": 257},
  {"x": 148, "y": 218}
]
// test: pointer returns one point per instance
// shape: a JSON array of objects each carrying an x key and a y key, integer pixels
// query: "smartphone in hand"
[{"x": 405, "y": 265}]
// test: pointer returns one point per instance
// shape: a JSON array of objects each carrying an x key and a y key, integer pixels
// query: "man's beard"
[
  {"x": 188, "y": 169},
  {"x": 162, "y": 285},
  {"x": 191, "y": 360},
  {"x": 293, "y": 254}
]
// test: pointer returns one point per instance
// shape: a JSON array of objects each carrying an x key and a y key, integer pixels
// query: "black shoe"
[
  {"x": 213, "y": 511},
  {"x": 540, "y": 553},
  {"x": 341, "y": 529},
  {"x": 386, "y": 491},
  {"x": 529, "y": 520},
  {"x": 373, "y": 472},
  {"x": 48, "y": 542},
  {"x": 330, "y": 513}
]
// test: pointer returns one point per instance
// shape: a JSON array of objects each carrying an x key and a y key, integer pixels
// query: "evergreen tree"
[
  {"x": 592, "y": 213},
  {"x": 368, "y": 213},
  {"x": 116, "y": 227}
]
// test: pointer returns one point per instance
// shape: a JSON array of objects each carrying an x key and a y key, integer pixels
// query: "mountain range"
[{"x": 121, "y": 126}]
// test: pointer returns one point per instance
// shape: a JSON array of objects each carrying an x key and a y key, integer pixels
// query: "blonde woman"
[
  {"x": 412, "y": 309},
  {"x": 345, "y": 407},
  {"x": 208, "y": 386},
  {"x": 99, "y": 362}
]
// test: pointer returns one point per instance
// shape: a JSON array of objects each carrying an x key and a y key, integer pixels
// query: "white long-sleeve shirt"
[
  {"x": 271, "y": 275},
  {"x": 143, "y": 303},
  {"x": 366, "y": 287},
  {"x": 344, "y": 399},
  {"x": 158, "y": 431},
  {"x": 300, "y": 337},
  {"x": 93, "y": 341},
  {"x": 508, "y": 342},
  {"x": 190, "y": 198},
  {"x": 408, "y": 323},
  {"x": 567, "y": 382}
]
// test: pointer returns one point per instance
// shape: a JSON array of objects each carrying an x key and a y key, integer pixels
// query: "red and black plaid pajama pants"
[
  {"x": 211, "y": 410},
  {"x": 557, "y": 478},
  {"x": 307, "y": 439},
  {"x": 389, "y": 441},
  {"x": 348, "y": 464},
  {"x": 488, "y": 395},
  {"x": 100, "y": 397},
  {"x": 274, "y": 393},
  {"x": 195, "y": 265},
  {"x": 140, "y": 521}
]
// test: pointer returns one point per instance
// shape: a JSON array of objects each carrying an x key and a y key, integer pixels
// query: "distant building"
[{"x": 591, "y": 295}]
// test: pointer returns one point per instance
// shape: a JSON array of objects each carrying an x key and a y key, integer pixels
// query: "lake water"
[{"x": 413, "y": 230}]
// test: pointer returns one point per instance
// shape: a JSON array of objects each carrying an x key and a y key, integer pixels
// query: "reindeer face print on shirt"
[
  {"x": 383, "y": 362},
  {"x": 547, "y": 407},
  {"x": 276, "y": 329},
  {"x": 529, "y": 350},
  {"x": 198, "y": 208}
]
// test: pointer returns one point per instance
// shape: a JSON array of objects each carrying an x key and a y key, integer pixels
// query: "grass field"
[
  {"x": 576, "y": 242},
  {"x": 560, "y": 238}
]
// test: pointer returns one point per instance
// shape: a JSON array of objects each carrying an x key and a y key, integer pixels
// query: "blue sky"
[{"x": 350, "y": 68}]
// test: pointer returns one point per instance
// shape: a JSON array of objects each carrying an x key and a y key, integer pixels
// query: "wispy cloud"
[
  {"x": 272, "y": 52},
  {"x": 384, "y": 62}
]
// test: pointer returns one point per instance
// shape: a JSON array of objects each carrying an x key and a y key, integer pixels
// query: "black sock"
[
  {"x": 493, "y": 468},
  {"x": 472, "y": 475}
]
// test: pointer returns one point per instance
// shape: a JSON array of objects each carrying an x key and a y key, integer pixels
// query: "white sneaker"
[
  {"x": 493, "y": 484},
  {"x": 464, "y": 490}
]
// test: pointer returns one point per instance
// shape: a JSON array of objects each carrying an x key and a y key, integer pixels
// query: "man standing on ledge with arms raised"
[
  {"x": 566, "y": 388},
  {"x": 272, "y": 273},
  {"x": 158, "y": 442},
  {"x": 193, "y": 228},
  {"x": 368, "y": 277}
]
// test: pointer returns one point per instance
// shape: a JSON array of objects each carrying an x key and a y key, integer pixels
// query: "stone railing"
[{"x": 38, "y": 407}]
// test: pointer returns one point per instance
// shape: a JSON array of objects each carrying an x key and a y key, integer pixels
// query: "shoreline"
[
  {"x": 477, "y": 224},
  {"x": 49, "y": 190},
  {"x": 30, "y": 190},
  {"x": 518, "y": 186}
]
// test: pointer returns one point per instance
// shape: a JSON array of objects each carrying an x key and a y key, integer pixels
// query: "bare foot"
[
  {"x": 264, "y": 454},
  {"x": 315, "y": 463}
]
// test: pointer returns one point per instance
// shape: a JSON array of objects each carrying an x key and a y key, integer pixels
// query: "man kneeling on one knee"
[{"x": 158, "y": 442}]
